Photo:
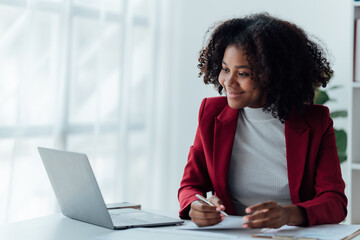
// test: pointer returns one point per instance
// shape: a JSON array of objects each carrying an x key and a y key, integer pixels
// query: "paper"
[
  {"x": 230, "y": 222},
  {"x": 320, "y": 232}
]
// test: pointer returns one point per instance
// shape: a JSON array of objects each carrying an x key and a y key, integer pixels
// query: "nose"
[{"x": 230, "y": 81}]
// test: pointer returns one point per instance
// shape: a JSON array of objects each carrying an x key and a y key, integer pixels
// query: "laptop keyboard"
[{"x": 129, "y": 216}]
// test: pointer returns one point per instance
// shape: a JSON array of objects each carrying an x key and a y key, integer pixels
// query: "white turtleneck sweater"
[{"x": 258, "y": 167}]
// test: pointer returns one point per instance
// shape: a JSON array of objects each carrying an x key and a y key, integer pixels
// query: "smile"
[{"x": 233, "y": 94}]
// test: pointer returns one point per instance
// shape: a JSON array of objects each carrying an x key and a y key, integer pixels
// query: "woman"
[{"x": 265, "y": 150}]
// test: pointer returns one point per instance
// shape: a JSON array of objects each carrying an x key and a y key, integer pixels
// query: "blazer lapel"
[
  {"x": 224, "y": 133},
  {"x": 297, "y": 138}
]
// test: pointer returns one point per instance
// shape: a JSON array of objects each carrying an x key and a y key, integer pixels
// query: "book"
[
  {"x": 123, "y": 205},
  {"x": 357, "y": 50}
]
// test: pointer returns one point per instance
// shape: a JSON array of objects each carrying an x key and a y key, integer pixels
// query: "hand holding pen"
[
  {"x": 219, "y": 208},
  {"x": 207, "y": 212}
]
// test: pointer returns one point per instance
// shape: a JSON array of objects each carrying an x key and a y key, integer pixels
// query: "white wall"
[{"x": 329, "y": 20}]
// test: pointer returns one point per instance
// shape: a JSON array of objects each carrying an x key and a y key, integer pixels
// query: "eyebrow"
[{"x": 239, "y": 66}]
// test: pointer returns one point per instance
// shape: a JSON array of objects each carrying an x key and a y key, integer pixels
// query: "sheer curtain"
[{"x": 87, "y": 76}]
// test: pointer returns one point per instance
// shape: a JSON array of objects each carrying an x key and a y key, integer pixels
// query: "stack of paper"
[
  {"x": 319, "y": 232},
  {"x": 230, "y": 222}
]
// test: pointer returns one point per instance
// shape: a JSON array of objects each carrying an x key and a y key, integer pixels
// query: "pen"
[
  {"x": 209, "y": 203},
  {"x": 282, "y": 237},
  {"x": 292, "y": 238}
]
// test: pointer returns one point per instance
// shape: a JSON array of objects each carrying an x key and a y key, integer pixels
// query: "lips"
[{"x": 233, "y": 93}]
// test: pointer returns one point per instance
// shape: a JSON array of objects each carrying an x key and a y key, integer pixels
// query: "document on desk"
[
  {"x": 230, "y": 222},
  {"x": 319, "y": 232}
]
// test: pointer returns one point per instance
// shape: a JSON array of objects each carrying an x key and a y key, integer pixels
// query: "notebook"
[{"x": 79, "y": 196}]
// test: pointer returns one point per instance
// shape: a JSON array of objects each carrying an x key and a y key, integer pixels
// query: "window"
[{"x": 75, "y": 75}]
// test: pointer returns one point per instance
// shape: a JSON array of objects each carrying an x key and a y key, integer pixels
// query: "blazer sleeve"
[
  {"x": 329, "y": 203},
  {"x": 196, "y": 178}
]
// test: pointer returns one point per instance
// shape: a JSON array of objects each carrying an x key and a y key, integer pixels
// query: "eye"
[
  {"x": 243, "y": 74},
  {"x": 224, "y": 69}
]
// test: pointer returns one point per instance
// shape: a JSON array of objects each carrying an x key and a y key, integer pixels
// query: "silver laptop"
[{"x": 79, "y": 196}]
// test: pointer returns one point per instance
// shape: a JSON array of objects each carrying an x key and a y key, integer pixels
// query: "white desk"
[
  {"x": 58, "y": 227},
  {"x": 54, "y": 227}
]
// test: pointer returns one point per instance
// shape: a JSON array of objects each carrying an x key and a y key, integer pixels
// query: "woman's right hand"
[{"x": 203, "y": 214}]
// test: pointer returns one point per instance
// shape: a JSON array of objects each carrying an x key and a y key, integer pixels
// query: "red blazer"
[{"x": 314, "y": 173}]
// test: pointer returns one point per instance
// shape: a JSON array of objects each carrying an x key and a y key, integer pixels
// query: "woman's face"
[{"x": 239, "y": 88}]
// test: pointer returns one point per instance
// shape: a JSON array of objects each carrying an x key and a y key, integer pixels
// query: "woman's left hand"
[{"x": 272, "y": 215}]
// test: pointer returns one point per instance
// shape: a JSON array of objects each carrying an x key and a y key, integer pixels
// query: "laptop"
[{"x": 79, "y": 196}]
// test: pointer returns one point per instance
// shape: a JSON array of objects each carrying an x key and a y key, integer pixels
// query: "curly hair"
[{"x": 281, "y": 57}]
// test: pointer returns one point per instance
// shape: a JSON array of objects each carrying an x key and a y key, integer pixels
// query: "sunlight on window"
[{"x": 65, "y": 69}]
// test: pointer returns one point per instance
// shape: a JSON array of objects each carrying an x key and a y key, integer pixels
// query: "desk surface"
[
  {"x": 58, "y": 227},
  {"x": 54, "y": 227}
]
